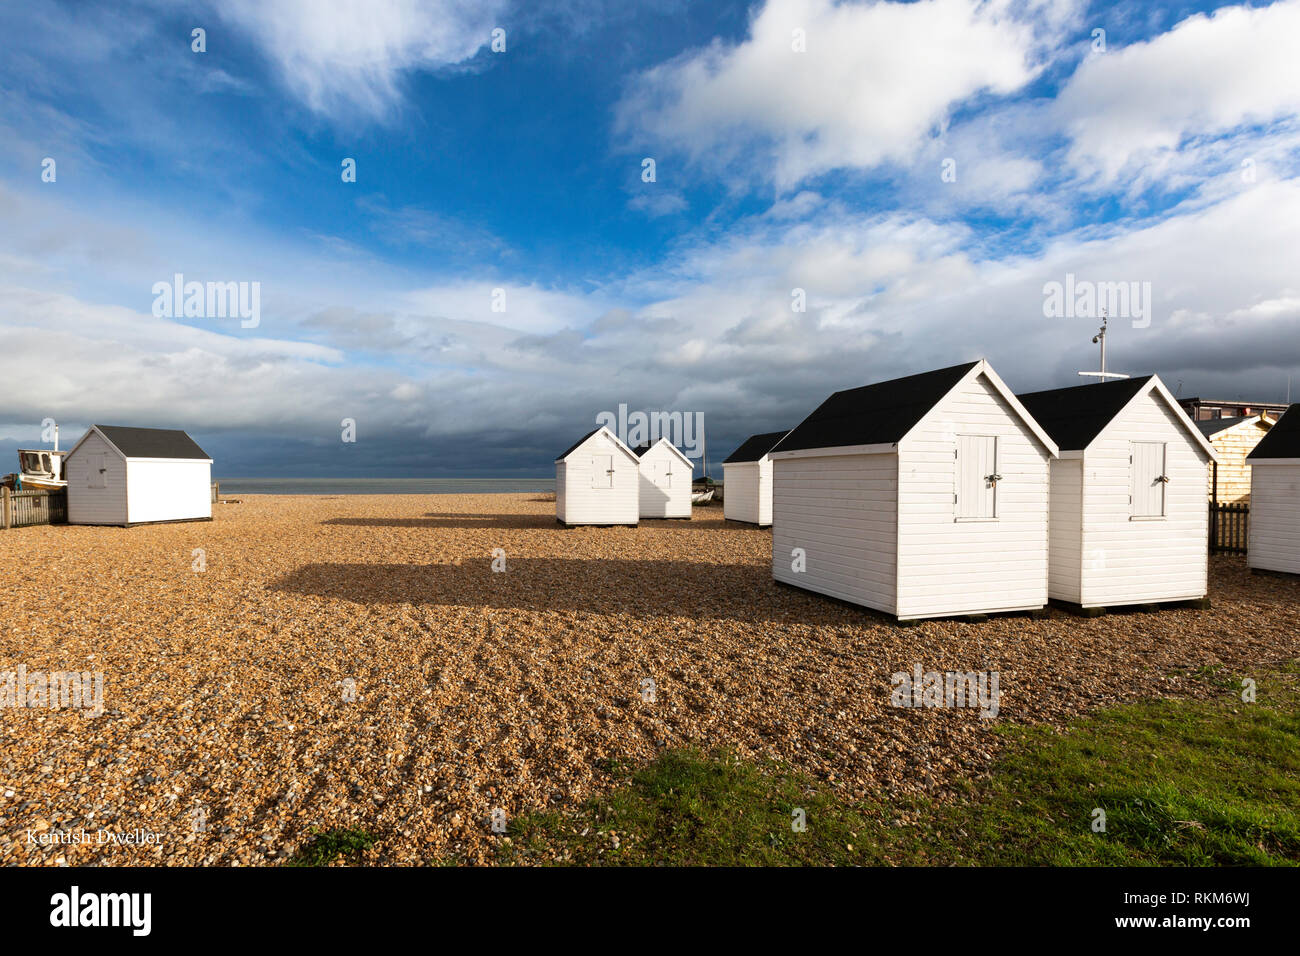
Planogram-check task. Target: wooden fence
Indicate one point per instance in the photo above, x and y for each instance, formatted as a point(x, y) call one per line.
point(24, 508)
point(1229, 524)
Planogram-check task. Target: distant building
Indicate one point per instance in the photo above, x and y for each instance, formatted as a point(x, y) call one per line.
point(596, 481)
point(665, 485)
point(1233, 439)
point(747, 479)
point(1204, 409)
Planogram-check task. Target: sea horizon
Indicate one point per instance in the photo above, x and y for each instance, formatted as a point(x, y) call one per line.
point(383, 486)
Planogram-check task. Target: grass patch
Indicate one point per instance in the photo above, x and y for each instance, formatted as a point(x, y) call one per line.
point(1215, 675)
point(1181, 782)
point(686, 808)
point(324, 848)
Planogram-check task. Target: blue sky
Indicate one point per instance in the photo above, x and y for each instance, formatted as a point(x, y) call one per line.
point(918, 171)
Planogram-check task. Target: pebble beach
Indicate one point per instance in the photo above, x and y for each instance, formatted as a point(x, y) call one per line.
point(305, 663)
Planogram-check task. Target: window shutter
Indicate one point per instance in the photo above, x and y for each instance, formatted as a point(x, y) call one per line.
point(977, 476)
point(602, 471)
point(1148, 469)
point(98, 476)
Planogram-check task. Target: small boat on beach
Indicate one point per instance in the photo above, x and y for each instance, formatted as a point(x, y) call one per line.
point(39, 469)
point(703, 488)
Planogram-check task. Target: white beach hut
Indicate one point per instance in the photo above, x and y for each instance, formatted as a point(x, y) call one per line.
point(665, 486)
point(925, 496)
point(1274, 543)
point(597, 481)
point(1129, 519)
point(747, 480)
point(127, 476)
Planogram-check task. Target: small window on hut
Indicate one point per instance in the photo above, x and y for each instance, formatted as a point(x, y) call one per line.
point(976, 496)
point(1147, 464)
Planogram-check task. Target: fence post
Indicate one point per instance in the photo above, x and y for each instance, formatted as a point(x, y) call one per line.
point(8, 509)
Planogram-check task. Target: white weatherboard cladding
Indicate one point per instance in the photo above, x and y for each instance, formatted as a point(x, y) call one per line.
point(1065, 558)
point(168, 490)
point(948, 564)
point(665, 486)
point(560, 497)
point(747, 491)
point(1131, 554)
point(764, 491)
point(96, 497)
point(599, 481)
point(740, 491)
point(841, 510)
point(1275, 517)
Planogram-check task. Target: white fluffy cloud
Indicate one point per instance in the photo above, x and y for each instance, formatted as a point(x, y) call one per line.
point(881, 81)
point(1206, 76)
point(82, 361)
point(351, 54)
point(875, 82)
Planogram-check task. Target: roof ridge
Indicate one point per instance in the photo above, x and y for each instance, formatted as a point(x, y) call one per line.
point(876, 413)
point(1283, 439)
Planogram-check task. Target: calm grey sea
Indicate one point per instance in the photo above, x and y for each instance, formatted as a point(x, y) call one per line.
point(383, 486)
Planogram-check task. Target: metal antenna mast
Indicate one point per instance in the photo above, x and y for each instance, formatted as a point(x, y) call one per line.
point(1100, 337)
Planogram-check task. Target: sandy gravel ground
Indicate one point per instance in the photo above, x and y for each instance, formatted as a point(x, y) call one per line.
point(354, 661)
